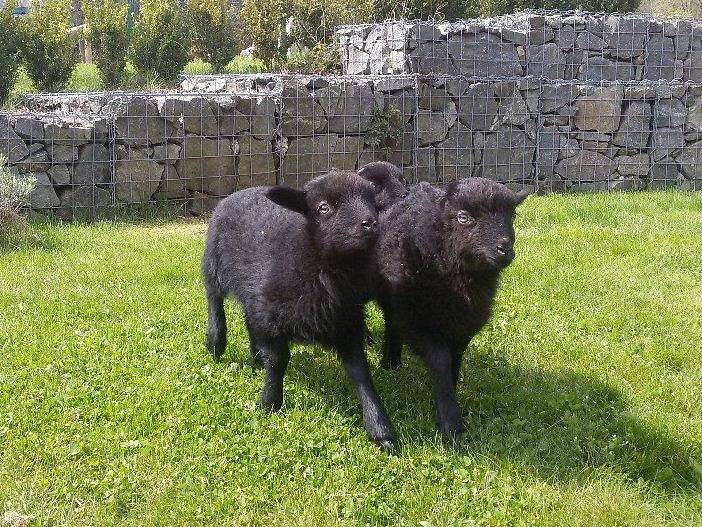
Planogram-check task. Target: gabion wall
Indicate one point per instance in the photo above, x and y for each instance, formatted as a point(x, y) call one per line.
point(587, 47)
point(197, 146)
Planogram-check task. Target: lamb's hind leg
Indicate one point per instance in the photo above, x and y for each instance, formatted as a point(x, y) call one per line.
point(392, 345)
point(254, 347)
point(216, 324)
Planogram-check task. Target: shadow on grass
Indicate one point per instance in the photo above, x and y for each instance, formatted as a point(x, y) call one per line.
point(556, 424)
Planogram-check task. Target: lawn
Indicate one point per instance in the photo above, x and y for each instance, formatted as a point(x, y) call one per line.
point(581, 397)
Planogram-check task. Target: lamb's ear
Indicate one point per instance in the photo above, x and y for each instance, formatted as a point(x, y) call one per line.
point(380, 173)
point(291, 199)
point(451, 189)
point(520, 196)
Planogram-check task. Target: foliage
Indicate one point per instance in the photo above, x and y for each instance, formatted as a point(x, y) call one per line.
point(419, 9)
point(214, 29)
point(262, 25)
point(9, 50)
point(108, 36)
point(161, 40)
point(48, 50)
point(320, 59)
point(242, 64)
point(14, 194)
point(581, 395)
point(385, 131)
point(85, 78)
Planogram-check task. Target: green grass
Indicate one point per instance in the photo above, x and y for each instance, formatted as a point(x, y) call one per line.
point(581, 396)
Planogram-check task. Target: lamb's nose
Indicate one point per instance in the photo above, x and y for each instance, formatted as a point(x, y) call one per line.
point(369, 224)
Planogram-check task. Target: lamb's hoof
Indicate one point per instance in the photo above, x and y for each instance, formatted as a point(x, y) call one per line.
point(386, 445)
point(216, 352)
point(270, 405)
point(390, 364)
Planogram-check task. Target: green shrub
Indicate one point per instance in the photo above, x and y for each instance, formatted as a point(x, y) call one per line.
point(385, 131)
point(243, 64)
point(420, 9)
point(499, 7)
point(214, 28)
point(322, 58)
point(9, 51)
point(160, 40)
point(107, 33)
point(48, 50)
point(263, 22)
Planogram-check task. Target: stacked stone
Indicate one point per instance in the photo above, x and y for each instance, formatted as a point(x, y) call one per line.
point(585, 46)
point(69, 157)
point(191, 148)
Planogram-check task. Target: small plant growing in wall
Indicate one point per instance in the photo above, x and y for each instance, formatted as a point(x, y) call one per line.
point(385, 131)
point(14, 194)
point(106, 30)
point(49, 51)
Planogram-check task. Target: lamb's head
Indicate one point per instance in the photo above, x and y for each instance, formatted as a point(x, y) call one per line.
point(340, 210)
point(389, 182)
point(478, 224)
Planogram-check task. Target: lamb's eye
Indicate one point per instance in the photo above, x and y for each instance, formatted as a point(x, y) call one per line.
point(463, 217)
point(323, 208)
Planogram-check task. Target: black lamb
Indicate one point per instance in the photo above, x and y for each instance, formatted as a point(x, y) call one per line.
point(390, 181)
point(300, 263)
point(439, 257)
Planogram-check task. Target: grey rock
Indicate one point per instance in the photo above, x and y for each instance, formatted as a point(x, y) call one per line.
point(256, 163)
point(670, 113)
point(597, 69)
point(167, 153)
point(62, 153)
point(394, 84)
point(692, 67)
point(93, 167)
point(192, 113)
point(431, 127)
point(65, 133)
point(11, 145)
point(508, 155)
point(548, 141)
point(208, 165)
point(483, 55)
point(232, 122)
point(665, 174)
point(600, 110)
point(636, 165)
point(346, 152)
point(260, 112)
point(514, 110)
point(586, 166)
point(642, 92)
point(426, 165)
point(635, 128)
point(540, 36)
point(556, 96)
point(301, 115)
point(138, 121)
point(623, 183)
point(348, 110)
point(625, 36)
point(477, 108)
point(433, 57)
point(31, 128)
point(565, 38)
point(690, 160)
point(356, 62)
point(136, 176)
point(43, 196)
point(60, 175)
point(589, 41)
point(306, 158)
point(546, 61)
point(454, 155)
point(659, 58)
point(666, 141)
point(172, 186)
point(36, 161)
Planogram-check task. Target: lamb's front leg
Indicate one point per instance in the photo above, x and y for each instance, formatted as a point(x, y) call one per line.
point(392, 344)
point(375, 418)
point(440, 363)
